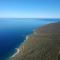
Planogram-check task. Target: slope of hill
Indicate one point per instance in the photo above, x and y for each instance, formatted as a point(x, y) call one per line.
point(42, 44)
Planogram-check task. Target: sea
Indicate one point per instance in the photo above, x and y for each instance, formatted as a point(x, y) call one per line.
point(13, 32)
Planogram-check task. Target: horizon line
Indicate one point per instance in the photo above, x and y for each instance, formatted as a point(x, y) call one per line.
point(29, 18)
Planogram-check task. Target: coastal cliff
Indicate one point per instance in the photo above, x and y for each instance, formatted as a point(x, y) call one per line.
point(42, 44)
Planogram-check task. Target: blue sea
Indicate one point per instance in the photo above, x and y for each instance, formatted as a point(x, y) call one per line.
point(13, 32)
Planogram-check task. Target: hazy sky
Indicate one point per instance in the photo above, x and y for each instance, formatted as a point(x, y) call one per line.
point(29, 8)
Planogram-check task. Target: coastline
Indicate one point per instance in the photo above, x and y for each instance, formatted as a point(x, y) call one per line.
point(17, 51)
point(44, 42)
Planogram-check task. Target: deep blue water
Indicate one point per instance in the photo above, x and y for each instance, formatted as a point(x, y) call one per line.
point(14, 31)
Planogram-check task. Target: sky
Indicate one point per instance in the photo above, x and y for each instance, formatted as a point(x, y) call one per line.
point(29, 8)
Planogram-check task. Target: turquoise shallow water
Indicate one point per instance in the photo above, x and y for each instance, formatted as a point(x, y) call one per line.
point(13, 32)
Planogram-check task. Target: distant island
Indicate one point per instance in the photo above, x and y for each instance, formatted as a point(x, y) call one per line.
point(42, 44)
